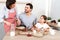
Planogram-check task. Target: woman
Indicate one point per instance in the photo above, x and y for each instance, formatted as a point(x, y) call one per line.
point(10, 15)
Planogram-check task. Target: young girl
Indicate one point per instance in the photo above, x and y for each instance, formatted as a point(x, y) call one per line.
point(41, 25)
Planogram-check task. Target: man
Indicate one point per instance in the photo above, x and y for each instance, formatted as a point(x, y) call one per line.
point(27, 18)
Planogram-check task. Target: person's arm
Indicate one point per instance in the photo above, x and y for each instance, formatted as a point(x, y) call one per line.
point(35, 21)
point(18, 19)
point(33, 25)
point(8, 23)
point(47, 28)
point(1, 15)
point(18, 22)
point(38, 27)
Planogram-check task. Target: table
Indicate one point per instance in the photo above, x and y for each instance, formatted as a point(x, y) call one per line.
point(24, 37)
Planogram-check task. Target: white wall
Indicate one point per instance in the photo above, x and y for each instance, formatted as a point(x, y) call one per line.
point(38, 10)
point(39, 7)
point(20, 7)
point(20, 4)
point(55, 9)
point(1, 5)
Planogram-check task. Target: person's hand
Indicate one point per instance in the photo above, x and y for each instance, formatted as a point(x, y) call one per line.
point(18, 22)
point(8, 23)
point(46, 30)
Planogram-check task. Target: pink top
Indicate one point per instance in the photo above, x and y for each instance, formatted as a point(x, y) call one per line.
point(12, 19)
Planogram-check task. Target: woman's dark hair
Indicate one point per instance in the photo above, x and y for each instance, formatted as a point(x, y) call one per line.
point(31, 6)
point(45, 18)
point(9, 3)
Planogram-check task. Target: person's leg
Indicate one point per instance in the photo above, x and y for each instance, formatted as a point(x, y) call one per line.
point(2, 32)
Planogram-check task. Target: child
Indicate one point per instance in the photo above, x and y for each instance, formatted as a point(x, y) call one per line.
point(41, 25)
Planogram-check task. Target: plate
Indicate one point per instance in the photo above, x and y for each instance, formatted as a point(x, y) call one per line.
point(38, 34)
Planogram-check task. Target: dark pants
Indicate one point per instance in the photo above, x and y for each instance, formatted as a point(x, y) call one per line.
point(2, 32)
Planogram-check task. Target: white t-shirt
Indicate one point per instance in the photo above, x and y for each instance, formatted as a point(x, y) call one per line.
point(44, 26)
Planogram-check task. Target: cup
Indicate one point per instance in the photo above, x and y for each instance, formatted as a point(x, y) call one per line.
point(34, 31)
point(12, 30)
point(52, 32)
